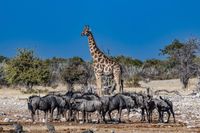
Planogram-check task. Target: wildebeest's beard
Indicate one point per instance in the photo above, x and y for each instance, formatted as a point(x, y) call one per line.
point(136, 101)
point(30, 107)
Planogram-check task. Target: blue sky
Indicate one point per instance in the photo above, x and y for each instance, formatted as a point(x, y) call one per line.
point(136, 28)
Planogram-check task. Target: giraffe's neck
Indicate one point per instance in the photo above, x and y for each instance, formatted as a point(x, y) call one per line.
point(94, 50)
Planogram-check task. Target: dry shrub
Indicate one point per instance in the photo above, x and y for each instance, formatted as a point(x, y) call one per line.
point(133, 82)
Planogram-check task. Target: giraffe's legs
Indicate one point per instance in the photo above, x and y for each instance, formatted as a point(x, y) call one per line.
point(117, 78)
point(99, 84)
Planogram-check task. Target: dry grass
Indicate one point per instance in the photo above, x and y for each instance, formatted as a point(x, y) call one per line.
point(170, 85)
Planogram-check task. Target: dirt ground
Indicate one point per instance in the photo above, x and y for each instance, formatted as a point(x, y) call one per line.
point(106, 128)
point(13, 108)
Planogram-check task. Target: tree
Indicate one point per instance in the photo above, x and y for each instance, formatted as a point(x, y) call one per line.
point(154, 69)
point(171, 48)
point(152, 63)
point(26, 69)
point(182, 56)
point(185, 57)
point(3, 59)
point(75, 72)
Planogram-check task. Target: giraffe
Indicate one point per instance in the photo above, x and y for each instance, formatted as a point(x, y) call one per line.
point(102, 64)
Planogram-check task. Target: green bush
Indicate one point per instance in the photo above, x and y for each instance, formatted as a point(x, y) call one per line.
point(26, 69)
point(75, 72)
point(128, 61)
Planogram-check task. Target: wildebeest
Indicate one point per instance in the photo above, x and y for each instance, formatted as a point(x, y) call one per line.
point(169, 109)
point(86, 106)
point(162, 105)
point(140, 102)
point(88, 103)
point(130, 104)
point(73, 94)
point(105, 105)
point(68, 96)
point(90, 96)
point(62, 105)
point(78, 95)
point(117, 102)
point(46, 103)
point(88, 131)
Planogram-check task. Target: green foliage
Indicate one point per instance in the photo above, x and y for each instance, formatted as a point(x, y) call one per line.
point(56, 60)
point(152, 62)
point(76, 61)
point(128, 61)
point(76, 71)
point(171, 48)
point(171, 63)
point(26, 69)
point(3, 58)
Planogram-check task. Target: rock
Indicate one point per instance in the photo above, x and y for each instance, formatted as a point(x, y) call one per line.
point(43, 120)
point(29, 120)
point(7, 120)
point(190, 126)
point(24, 119)
point(81, 122)
point(93, 121)
point(124, 115)
point(131, 115)
point(2, 114)
point(63, 120)
point(17, 116)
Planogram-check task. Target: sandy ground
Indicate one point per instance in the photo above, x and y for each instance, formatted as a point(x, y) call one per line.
point(13, 108)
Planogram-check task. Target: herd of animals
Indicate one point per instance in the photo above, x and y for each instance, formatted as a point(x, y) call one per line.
point(72, 103)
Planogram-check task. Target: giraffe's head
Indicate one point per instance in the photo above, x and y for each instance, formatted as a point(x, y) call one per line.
point(86, 31)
